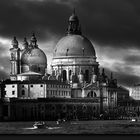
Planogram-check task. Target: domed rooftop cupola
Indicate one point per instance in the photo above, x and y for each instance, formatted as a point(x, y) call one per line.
point(14, 42)
point(73, 52)
point(33, 41)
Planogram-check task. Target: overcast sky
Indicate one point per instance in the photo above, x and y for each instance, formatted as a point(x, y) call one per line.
point(113, 26)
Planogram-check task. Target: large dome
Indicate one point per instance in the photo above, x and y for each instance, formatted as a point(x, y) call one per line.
point(34, 56)
point(74, 45)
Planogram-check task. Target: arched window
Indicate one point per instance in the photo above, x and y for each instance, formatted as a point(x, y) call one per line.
point(23, 92)
point(91, 94)
point(87, 75)
point(64, 75)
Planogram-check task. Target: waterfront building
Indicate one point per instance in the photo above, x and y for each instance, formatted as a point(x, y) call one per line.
point(75, 89)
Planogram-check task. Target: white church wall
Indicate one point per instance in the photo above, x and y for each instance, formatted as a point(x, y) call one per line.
point(11, 90)
point(37, 90)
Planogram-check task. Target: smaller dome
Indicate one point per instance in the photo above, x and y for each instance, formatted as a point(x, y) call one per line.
point(34, 56)
point(33, 59)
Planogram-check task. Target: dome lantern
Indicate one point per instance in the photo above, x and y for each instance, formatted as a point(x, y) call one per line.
point(73, 24)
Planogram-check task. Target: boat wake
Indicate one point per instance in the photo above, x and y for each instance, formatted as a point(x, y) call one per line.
point(50, 128)
point(54, 127)
point(74, 123)
point(30, 128)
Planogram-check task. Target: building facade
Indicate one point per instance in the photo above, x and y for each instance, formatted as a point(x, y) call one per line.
point(36, 89)
point(51, 109)
point(75, 89)
point(74, 57)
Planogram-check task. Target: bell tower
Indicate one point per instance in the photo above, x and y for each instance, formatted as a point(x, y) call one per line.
point(14, 59)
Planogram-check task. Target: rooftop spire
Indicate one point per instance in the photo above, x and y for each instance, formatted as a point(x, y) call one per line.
point(73, 24)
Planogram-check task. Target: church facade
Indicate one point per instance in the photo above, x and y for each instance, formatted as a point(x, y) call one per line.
point(75, 89)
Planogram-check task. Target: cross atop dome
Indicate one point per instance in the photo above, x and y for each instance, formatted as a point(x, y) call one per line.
point(73, 24)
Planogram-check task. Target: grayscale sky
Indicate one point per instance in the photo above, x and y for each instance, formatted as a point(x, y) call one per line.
point(113, 26)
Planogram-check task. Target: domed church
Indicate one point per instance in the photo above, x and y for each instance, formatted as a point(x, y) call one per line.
point(75, 89)
point(74, 56)
point(30, 62)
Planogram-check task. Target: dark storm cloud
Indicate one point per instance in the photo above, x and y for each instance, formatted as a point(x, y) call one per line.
point(132, 60)
point(113, 22)
point(123, 78)
point(122, 68)
point(4, 67)
point(110, 23)
point(127, 80)
point(3, 75)
point(3, 49)
point(21, 17)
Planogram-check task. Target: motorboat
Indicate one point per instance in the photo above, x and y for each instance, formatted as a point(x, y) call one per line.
point(134, 120)
point(60, 121)
point(39, 125)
